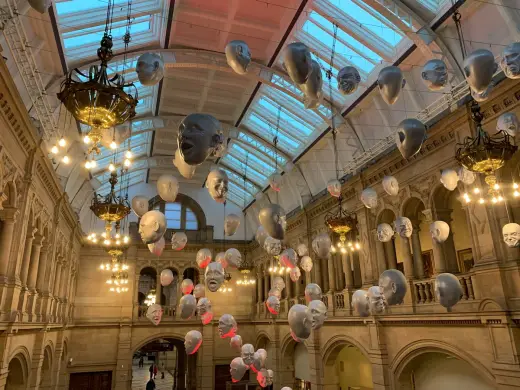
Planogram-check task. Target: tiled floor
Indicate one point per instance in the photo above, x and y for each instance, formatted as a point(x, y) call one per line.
point(140, 376)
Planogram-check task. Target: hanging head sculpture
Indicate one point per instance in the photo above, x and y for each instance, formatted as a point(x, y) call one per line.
point(390, 185)
point(318, 313)
point(214, 276)
point(272, 246)
point(236, 343)
point(237, 369)
point(167, 187)
point(448, 290)
point(187, 171)
point(321, 245)
point(449, 179)
point(247, 354)
point(231, 224)
point(376, 300)
point(440, 231)
point(393, 286)
point(154, 313)
point(300, 321)
point(152, 226)
point(217, 185)
point(507, 122)
point(192, 341)
point(200, 135)
point(312, 292)
point(511, 235)
point(390, 82)
point(403, 227)
point(384, 232)
point(334, 188)
point(140, 205)
point(312, 87)
point(179, 241)
point(479, 68)
point(510, 62)
point(227, 326)
point(187, 306)
point(297, 62)
point(205, 310)
point(435, 74)
point(273, 305)
point(348, 80)
point(369, 198)
point(306, 263)
point(238, 56)
point(360, 303)
point(203, 257)
point(410, 137)
point(149, 69)
point(274, 221)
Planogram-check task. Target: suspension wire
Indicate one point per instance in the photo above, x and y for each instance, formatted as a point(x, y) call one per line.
point(244, 178)
point(331, 97)
point(127, 38)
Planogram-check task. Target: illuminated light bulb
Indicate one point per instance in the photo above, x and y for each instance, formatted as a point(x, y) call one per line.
point(86, 139)
point(468, 200)
point(94, 240)
point(127, 163)
point(118, 242)
point(113, 145)
point(128, 154)
point(476, 190)
point(343, 250)
point(102, 267)
point(54, 150)
point(494, 199)
point(516, 193)
point(106, 242)
point(111, 168)
point(496, 186)
point(333, 249)
point(118, 235)
point(465, 195)
point(87, 164)
point(93, 164)
point(288, 269)
point(104, 235)
point(65, 159)
point(349, 244)
point(126, 239)
point(62, 142)
point(270, 269)
point(500, 198)
point(515, 186)
point(358, 246)
point(112, 289)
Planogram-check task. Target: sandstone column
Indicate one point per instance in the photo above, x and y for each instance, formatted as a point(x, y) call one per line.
point(347, 270)
point(27, 255)
point(407, 257)
point(390, 254)
point(380, 253)
point(330, 269)
point(158, 289)
point(8, 217)
point(35, 261)
point(42, 268)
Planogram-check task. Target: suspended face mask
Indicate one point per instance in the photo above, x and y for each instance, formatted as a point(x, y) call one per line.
point(507, 123)
point(233, 258)
point(167, 187)
point(384, 232)
point(272, 246)
point(440, 231)
point(238, 56)
point(312, 89)
point(376, 301)
point(348, 80)
point(200, 135)
point(227, 326)
point(187, 286)
point(154, 313)
point(273, 219)
point(479, 68)
point(278, 283)
point(390, 82)
point(275, 182)
point(403, 226)
point(217, 185)
point(179, 241)
point(261, 377)
point(318, 313)
point(273, 305)
point(312, 292)
point(334, 188)
point(393, 285)
point(297, 62)
point(260, 236)
point(199, 291)
point(257, 363)
point(321, 245)
point(139, 205)
point(247, 354)
point(410, 137)
point(149, 69)
point(40, 5)
point(166, 277)
point(288, 258)
point(187, 306)
point(448, 290)
point(390, 185)
point(262, 354)
point(231, 224)
point(295, 274)
point(435, 74)
point(152, 226)
point(157, 248)
point(511, 234)
point(270, 377)
point(449, 179)
point(465, 176)
point(236, 343)
point(203, 257)
point(221, 259)
point(187, 171)
point(214, 276)
point(300, 321)
point(205, 310)
point(237, 369)
point(306, 263)
point(275, 292)
point(369, 198)
point(302, 250)
point(482, 97)
point(510, 62)
point(360, 303)
point(192, 341)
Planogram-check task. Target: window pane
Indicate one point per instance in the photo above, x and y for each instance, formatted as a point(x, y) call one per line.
point(173, 223)
point(190, 215)
point(191, 225)
point(173, 214)
point(173, 206)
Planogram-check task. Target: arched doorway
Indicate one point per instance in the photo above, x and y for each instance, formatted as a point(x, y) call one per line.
point(347, 367)
point(420, 242)
point(191, 273)
point(17, 375)
point(45, 378)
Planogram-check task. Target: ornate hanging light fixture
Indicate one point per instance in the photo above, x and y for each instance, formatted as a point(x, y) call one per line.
point(110, 208)
point(225, 287)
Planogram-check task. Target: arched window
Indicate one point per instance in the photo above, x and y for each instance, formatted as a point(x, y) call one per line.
point(179, 215)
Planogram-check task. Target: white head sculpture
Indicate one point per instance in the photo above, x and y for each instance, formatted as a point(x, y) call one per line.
point(203, 257)
point(295, 274)
point(154, 313)
point(508, 122)
point(221, 259)
point(217, 185)
point(321, 245)
point(231, 224)
point(262, 354)
point(318, 313)
point(233, 258)
point(403, 227)
point(440, 231)
point(235, 343)
point(278, 283)
point(214, 276)
point(238, 56)
point(167, 187)
point(257, 363)
point(227, 326)
point(157, 248)
point(187, 286)
point(297, 61)
point(390, 82)
point(334, 188)
point(360, 303)
point(270, 377)
point(510, 62)
point(300, 321)
point(312, 88)
point(149, 69)
point(199, 291)
point(449, 179)
point(261, 377)
point(482, 97)
point(273, 305)
point(302, 250)
point(369, 198)
point(511, 234)
point(152, 226)
point(435, 74)
point(192, 341)
point(273, 219)
point(187, 171)
point(40, 5)
point(140, 205)
point(200, 135)
point(384, 232)
point(306, 263)
point(393, 286)
point(376, 301)
point(179, 241)
point(166, 277)
point(448, 290)
point(348, 79)
point(272, 246)
point(410, 137)
point(289, 258)
point(390, 185)
point(312, 292)
point(260, 236)
point(205, 310)
point(479, 67)
point(275, 182)
point(275, 292)
point(237, 369)
point(466, 176)
point(187, 306)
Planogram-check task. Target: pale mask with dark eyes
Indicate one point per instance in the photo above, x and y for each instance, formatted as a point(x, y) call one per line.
point(200, 135)
point(435, 74)
point(217, 185)
point(149, 69)
point(479, 67)
point(238, 56)
point(511, 235)
point(348, 80)
point(390, 82)
point(510, 62)
point(214, 276)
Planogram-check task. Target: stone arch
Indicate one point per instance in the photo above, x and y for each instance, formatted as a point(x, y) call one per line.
point(261, 338)
point(18, 375)
point(191, 273)
point(412, 206)
point(187, 201)
point(9, 189)
point(46, 371)
point(489, 305)
point(166, 335)
point(287, 363)
point(386, 215)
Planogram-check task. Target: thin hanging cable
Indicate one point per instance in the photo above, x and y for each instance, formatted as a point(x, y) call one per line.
point(127, 38)
point(331, 97)
point(275, 142)
point(244, 178)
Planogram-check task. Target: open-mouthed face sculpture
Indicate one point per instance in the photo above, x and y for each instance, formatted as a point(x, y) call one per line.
point(289, 258)
point(390, 185)
point(274, 292)
point(139, 205)
point(390, 82)
point(403, 227)
point(187, 171)
point(376, 300)
point(217, 185)
point(272, 246)
point(334, 188)
point(187, 306)
point(157, 248)
point(278, 283)
point(154, 313)
point(435, 74)
point(297, 62)
point(440, 231)
point(199, 291)
point(261, 377)
point(410, 137)
point(227, 326)
point(247, 354)
point(273, 305)
point(466, 176)
point(348, 80)
point(479, 67)
point(205, 310)
point(192, 341)
point(306, 263)
point(507, 122)
point(273, 219)
point(179, 241)
point(448, 290)
point(295, 274)
point(318, 313)
point(511, 235)
point(149, 69)
point(360, 303)
point(203, 257)
point(312, 89)
point(260, 236)
point(167, 187)
point(510, 62)
point(449, 179)
point(237, 369)
point(275, 182)
point(300, 321)
point(393, 286)
point(152, 226)
point(40, 5)
point(384, 232)
point(302, 250)
point(233, 258)
point(214, 276)
point(187, 286)
point(312, 292)
point(200, 135)
point(270, 377)
point(231, 224)
point(238, 56)
point(321, 245)
point(166, 277)
point(369, 198)
point(236, 343)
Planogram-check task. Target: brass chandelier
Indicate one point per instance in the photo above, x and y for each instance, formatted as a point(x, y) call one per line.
point(110, 208)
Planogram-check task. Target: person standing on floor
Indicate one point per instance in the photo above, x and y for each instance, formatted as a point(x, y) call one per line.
point(155, 369)
point(150, 385)
point(151, 371)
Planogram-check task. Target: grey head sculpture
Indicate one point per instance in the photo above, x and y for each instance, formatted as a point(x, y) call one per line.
point(449, 179)
point(321, 245)
point(233, 258)
point(312, 292)
point(221, 259)
point(275, 182)
point(286, 388)
point(236, 343)
point(448, 290)
point(273, 219)
point(192, 341)
point(312, 88)
point(217, 185)
point(157, 248)
point(238, 56)
point(510, 62)
point(261, 377)
point(334, 188)
point(152, 226)
point(410, 137)
point(479, 68)
point(390, 82)
point(247, 353)
point(348, 80)
point(297, 62)
point(306, 263)
point(237, 369)
point(260, 236)
point(269, 377)
point(511, 235)
point(483, 96)
point(227, 326)
point(187, 171)
point(507, 122)
point(295, 274)
point(40, 5)
point(360, 303)
point(278, 283)
point(440, 231)
point(179, 241)
point(369, 198)
point(318, 313)
point(149, 69)
point(187, 306)
point(302, 250)
point(231, 224)
point(384, 232)
point(154, 313)
point(200, 135)
point(262, 354)
point(289, 258)
point(205, 310)
point(393, 285)
point(273, 305)
point(167, 187)
point(199, 291)
point(272, 246)
point(376, 301)
point(166, 277)
point(140, 205)
point(390, 185)
point(403, 227)
point(187, 286)
point(257, 363)
point(203, 257)
point(214, 276)
point(435, 74)
point(466, 176)
point(300, 321)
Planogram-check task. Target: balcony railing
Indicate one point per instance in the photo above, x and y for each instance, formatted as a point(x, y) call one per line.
point(424, 290)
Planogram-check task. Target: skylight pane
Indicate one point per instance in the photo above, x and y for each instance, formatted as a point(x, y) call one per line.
point(71, 6)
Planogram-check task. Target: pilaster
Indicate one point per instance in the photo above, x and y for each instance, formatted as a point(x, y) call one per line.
point(123, 373)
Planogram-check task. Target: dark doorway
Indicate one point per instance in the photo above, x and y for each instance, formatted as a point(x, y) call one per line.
point(91, 380)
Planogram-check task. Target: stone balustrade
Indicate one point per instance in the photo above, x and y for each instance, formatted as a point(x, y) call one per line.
point(424, 290)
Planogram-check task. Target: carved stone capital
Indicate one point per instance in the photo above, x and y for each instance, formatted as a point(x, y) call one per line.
point(428, 215)
point(9, 214)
